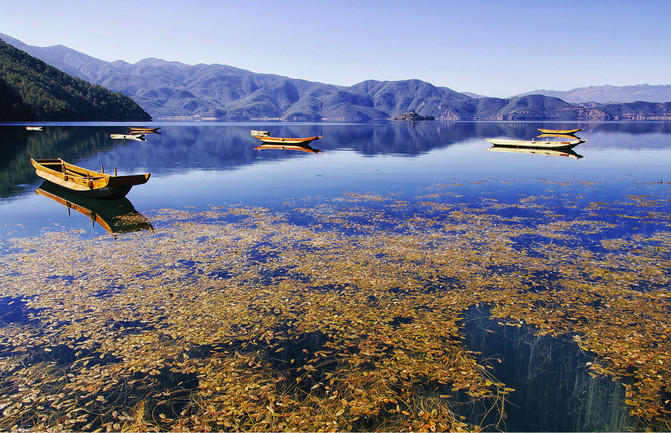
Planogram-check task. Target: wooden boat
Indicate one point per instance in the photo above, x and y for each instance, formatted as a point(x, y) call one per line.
point(560, 131)
point(566, 153)
point(115, 216)
point(267, 139)
point(282, 140)
point(137, 137)
point(86, 182)
point(299, 147)
point(34, 128)
point(255, 132)
point(140, 130)
point(560, 141)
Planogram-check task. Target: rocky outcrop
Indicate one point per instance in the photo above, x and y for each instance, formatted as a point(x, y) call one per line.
point(412, 117)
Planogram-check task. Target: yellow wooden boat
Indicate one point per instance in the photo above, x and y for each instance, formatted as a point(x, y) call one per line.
point(265, 138)
point(86, 182)
point(560, 131)
point(142, 130)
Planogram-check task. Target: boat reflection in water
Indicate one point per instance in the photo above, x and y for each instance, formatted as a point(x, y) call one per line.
point(567, 153)
point(115, 216)
point(299, 147)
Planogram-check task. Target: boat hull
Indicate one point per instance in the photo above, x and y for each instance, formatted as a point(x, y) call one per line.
point(86, 182)
point(134, 130)
point(136, 137)
point(560, 131)
point(287, 141)
point(532, 144)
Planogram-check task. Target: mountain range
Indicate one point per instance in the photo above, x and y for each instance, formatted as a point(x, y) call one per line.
point(173, 90)
point(606, 94)
point(30, 89)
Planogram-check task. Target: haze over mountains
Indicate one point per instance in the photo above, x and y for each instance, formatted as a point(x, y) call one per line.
point(175, 90)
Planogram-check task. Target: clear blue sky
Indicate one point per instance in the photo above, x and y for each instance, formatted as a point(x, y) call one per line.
point(491, 47)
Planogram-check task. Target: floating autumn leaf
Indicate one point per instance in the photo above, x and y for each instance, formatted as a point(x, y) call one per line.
point(241, 318)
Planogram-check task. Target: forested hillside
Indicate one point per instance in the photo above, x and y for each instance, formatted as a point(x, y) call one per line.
point(32, 90)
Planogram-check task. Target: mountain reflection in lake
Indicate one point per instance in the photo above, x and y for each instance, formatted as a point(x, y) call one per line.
point(338, 290)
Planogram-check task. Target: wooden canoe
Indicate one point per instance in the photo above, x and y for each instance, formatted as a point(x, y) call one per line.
point(140, 130)
point(115, 216)
point(560, 131)
point(137, 137)
point(265, 139)
point(264, 133)
point(538, 144)
point(86, 182)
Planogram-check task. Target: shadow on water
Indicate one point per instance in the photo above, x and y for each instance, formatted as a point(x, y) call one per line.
point(553, 388)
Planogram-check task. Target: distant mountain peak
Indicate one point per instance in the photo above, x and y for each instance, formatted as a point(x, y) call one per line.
point(608, 93)
point(171, 89)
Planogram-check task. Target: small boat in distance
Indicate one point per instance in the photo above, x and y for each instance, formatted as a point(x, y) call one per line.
point(34, 128)
point(560, 141)
point(141, 130)
point(560, 131)
point(264, 133)
point(86, 182)
point(136, 137)
point(267, 139)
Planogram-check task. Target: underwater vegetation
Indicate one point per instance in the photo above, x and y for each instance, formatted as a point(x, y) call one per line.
point(331, 314)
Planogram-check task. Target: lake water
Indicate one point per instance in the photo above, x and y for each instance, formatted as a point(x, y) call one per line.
point(405, 277)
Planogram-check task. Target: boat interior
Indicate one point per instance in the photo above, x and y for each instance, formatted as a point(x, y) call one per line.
point(60, 166)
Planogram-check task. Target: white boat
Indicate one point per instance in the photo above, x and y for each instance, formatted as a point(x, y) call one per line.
point(559, 141)
point(34, 128)
point(261, 133)
point(138, 137)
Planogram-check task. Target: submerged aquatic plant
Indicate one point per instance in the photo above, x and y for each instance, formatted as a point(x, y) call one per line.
point(341, 316)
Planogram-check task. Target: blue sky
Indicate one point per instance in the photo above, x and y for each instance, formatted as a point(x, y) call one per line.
point(495, 48)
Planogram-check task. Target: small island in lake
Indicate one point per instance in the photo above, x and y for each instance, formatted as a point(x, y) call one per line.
point(412, 117)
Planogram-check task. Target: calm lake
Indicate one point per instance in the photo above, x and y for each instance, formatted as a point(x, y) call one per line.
point(404, 277)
